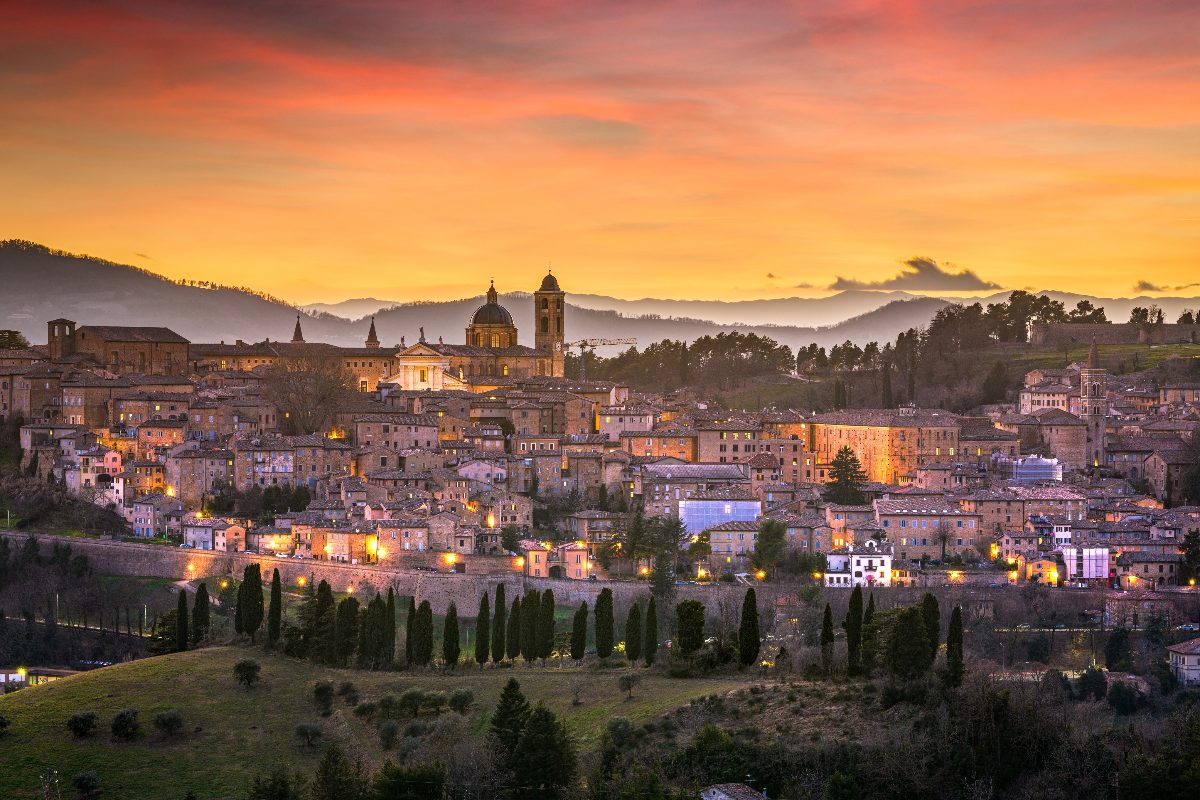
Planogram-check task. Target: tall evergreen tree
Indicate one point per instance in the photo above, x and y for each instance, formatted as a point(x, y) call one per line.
point(509, 718)
point(907, 647)
point(885, 392)
point(372, 635)
point(450, 645)
point(846, 479)
point(689, 624)
point(200, 612)
point(275, 620)
point(604, 623)
point(933, 624)
point(410, 632)
point(954, 649)
point(633, 634)
point(318, 632)
point(827, 639)
point(544, 762)
point(483, 630)
point(854, 628)
point(749, 641)
point(531, 606)
point(650, 640)
point(513, 633)
point(345, 632)
point(498, 626)
point(252, 615)
point(239, 608)
point(545, 626)
point(869, 614)
point(579, 633)
point(389, 628)
point(423, 648)
point(181, 622)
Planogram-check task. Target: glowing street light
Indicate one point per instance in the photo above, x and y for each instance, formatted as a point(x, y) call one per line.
point(761, 574)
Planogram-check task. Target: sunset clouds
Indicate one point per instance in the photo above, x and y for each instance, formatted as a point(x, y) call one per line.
point(322, 150)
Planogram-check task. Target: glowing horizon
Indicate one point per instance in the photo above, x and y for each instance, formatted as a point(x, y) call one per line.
point(707, 150)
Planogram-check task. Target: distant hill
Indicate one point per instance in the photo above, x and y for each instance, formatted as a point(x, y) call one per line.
point(41, 284)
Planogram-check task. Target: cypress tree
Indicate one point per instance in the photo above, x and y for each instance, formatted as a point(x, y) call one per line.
point(200, 611)
point(389, 629)
point(345, 632)
point(954, 649)
point(579, 633)
point(650, 640)
point(689, 622)
point(498, 626)
point(749, 641)
point(907, 646)
point(275, 620)
point(869, 614)
point(827, 639)
point(423, 651)
point(372, 635)
point(530, 611)
point(239, 607)
point(545, 626)
point(933, 624)
point(604, 623)
point(854, 626)
point(509, 718)
point(319, 636)
point(252, 616)
point(483, 631)
point(181, 622)
point(513, 644)
point(633, 634)
point(410, 632)
point(450, 647)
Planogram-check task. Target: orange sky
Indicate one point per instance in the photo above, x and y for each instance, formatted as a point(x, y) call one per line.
point(681, 149)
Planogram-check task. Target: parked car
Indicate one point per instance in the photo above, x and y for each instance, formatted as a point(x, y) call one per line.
point(185, 546)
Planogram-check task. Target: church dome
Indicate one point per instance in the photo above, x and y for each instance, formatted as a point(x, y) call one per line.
point(492, 314)
point(549, 284)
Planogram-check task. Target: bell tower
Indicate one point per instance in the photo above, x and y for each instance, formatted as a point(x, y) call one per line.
point(549, 312)
point(1093, 388)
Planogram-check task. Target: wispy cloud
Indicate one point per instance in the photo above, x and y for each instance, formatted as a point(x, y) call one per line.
point(922, 274)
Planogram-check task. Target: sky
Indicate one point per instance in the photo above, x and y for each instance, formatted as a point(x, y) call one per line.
point(708, 150)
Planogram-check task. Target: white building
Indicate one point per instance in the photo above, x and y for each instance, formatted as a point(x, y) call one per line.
point(1083, 563)
point(869, 565)
point(1185, 661)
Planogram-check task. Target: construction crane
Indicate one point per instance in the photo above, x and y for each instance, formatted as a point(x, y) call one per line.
point(585, 345)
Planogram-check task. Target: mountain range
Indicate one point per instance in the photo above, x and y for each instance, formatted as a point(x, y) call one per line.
point(39, 284)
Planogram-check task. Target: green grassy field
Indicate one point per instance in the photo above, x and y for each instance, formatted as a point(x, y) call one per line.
point(231, 733)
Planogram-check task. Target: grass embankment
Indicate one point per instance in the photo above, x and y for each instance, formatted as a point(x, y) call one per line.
point(231, 733)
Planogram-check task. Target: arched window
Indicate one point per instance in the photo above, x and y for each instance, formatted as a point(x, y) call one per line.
point(545, 304)
point(545, 324)
point(495, 340)
point(504, 370)
point(460, 373)
point(560, 324)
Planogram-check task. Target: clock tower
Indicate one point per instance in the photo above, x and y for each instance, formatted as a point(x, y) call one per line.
point(549, 310)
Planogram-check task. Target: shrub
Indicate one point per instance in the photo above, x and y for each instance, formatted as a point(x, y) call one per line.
point(412, 700)
point(348, 692)
point(168, 723)
point(389, 706)
point(461, 700)
point(125, 724)
point(87, 785)
point(388, 732)
point(247, 672)
point(365, 710)
point(4, 723)
point(416, 729)
point(82, 724)
point(627, 682)
point(323, 696)
point(1124, 698)
point(1092, 685)
point(434, 701)
point(308, 733)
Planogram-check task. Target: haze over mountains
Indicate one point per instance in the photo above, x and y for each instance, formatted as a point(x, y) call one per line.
point(38, 284)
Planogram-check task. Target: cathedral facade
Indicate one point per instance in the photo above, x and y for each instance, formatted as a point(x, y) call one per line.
point(490, 351)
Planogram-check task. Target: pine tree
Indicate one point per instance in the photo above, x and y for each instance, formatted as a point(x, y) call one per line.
point(954, 649)
point(483, 630)
point(544, 761)
point(275, 620)
point(633, 634)
point(749, 641)
point(252, 615)
point(579, 633)
point(181, 622)
point(854, 627)
point(886, 400)
point(846, 479)
point(513, 633)
point(509, 718)
point(650, 640)
point(410, 632)
point(933, 624)
point(827, 640)
point(498, 626)
point(338, 778)
point(530, 611)
point(604, 623)
point(389, 628)
point(450, 647)
point(200, 612)
point(423, 649)
point(545, 626)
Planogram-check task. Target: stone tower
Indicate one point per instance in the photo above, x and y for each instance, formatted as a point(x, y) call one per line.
point(372, 338)
point(297, 334)
point(1093, 387)
point(549, 312)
